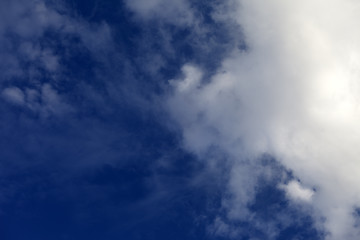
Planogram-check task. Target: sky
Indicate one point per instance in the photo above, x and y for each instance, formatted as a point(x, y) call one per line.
point(182, 119)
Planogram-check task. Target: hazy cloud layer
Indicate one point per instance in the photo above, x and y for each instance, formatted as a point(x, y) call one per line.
point(178, 12)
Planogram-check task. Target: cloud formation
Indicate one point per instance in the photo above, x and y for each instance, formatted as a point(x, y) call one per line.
point(294, 93)
point(38, 39)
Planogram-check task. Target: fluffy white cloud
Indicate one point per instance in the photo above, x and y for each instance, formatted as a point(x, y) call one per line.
point(297, 192)
point(294, 94)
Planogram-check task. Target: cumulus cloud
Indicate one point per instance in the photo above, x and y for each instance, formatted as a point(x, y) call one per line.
point(294, 94)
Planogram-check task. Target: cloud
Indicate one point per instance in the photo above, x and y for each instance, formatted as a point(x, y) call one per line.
point(294, 94)
point(13, 95)
point(191, 81)
point(51, 102)
point(27, 28)
point(37, 42)
point(177, 12)
point(297, 192)
point(44, 101)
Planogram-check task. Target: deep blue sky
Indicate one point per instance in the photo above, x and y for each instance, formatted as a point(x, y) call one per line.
point(94, 155)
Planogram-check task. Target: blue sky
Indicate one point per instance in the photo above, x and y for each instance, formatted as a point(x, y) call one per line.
point(183, 119)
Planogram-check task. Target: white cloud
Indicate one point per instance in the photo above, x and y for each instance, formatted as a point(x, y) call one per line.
point(191, 81)
point(294, 94)
point(297, 192)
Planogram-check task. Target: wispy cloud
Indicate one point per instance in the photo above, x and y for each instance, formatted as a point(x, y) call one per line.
point(177, 12)
point(35, 39)
point(13, 95)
